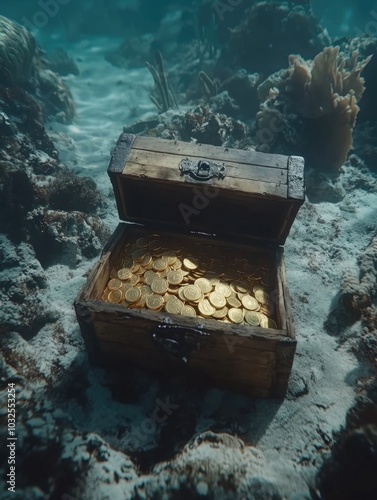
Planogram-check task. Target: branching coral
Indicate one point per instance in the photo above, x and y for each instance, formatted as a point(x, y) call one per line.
point(329, 82)
point(164, 98)
point(323, 93)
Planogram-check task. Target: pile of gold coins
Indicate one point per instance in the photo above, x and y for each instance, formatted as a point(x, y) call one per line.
point(180, 276)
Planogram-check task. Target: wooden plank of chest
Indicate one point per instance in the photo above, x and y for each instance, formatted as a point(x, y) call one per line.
point(158, 160)
point(210, 152)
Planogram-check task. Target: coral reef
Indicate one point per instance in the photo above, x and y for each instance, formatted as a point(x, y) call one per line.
point(23, 65)
point(323, 94)
point(32, 180)
point(23, 284)
point(17, 50)
point(269, 33)
point(212, 465)
point(69, 192)
point(207, 127)
point(65, 237)
point(163, 96)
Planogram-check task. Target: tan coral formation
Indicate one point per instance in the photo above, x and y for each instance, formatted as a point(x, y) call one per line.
point(17, 49)
point(329, 82)
point(325, 93)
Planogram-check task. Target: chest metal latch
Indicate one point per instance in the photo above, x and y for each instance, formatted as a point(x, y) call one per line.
point(202, 170)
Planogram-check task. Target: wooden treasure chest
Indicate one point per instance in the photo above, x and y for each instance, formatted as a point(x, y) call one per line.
point(193, 278)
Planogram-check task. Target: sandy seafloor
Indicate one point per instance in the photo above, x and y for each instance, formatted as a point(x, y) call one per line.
point(292, 437)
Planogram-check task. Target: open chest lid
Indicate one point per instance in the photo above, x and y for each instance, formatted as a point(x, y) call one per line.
point(210, 189)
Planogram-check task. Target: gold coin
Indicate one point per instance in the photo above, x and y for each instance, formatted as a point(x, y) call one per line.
point(235, 315)
point(192, 292)
point(124, 273)
point(134, 279)
point(220, 313)
point(174, 306)
point(154, 302)
point(146, 260)
point(163, 274)
point(105, 295)
point(267, 322)
point(257, 288)
point(154, 245)
point(140, 303)
point(142, 242)
point(212, 279)
point(203, 284)
point(267, 308)
point(249, 302)
point(159, 286)
point(149, 277)
point(114, 284)
point(125, 287)
point(181, 293)
point(127, 263)
point(160, 264)
point(188, 311)
point(135, 266)
point(175, 277)
point(190, 263)
point(115, 296)
point(146, 290)
point(132, 295)
point(170, 257)
point(223, 289)
point(241, 286)
point(233, 301)
point(138, 255)
point(217, 300)
point(177, 265)
point(262, 296)
point(205, 308)
point(252, 318)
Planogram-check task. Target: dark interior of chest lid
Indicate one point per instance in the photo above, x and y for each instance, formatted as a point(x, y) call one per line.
point(245, 215)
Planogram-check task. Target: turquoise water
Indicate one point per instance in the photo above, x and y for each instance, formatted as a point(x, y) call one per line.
point(78, 18)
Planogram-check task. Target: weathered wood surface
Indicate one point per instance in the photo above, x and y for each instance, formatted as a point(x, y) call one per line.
point(114, 358)
point(149, 159)
point(286, 305)
point(284, 360)
point(173, 179)
point(210, 152)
